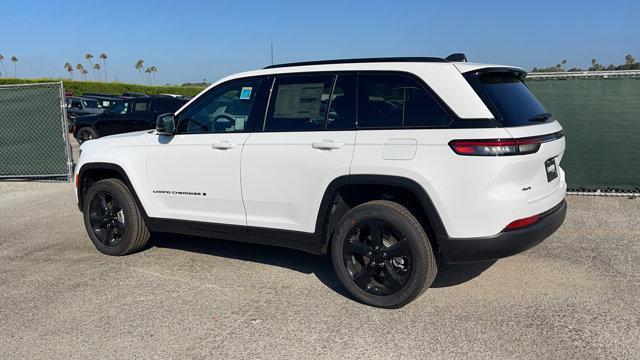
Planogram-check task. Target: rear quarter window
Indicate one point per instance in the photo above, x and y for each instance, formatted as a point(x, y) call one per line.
point(508, 98)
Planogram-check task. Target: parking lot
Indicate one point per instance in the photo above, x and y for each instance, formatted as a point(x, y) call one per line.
point(574, 296)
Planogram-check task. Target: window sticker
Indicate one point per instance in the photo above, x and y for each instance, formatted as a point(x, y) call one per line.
point(245, 93)
point(299, 101)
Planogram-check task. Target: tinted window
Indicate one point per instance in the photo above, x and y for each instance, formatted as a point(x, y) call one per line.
point(342, 109)
point(121, 107)
point(91, 103)
point(161, 106)
point(141, 107)
point(512, 99)
point(225, 108)
point(76, 104)
point(299, 103)
point(387, 100)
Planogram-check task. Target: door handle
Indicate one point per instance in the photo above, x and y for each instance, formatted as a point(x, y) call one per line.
point(223, 145)
point(326, 145)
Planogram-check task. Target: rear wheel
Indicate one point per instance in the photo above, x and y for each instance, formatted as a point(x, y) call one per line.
point(112, 219)
point(85, 133)
point(382, 255)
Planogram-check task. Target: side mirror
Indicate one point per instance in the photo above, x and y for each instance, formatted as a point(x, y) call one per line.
point(166, 124)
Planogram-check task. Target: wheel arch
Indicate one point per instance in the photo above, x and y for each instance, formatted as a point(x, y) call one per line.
point(332, 209)
point(89, 173)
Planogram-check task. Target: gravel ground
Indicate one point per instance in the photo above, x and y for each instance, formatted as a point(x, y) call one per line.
point(576, 295)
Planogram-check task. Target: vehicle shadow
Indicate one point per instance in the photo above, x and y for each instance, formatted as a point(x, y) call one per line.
point(320, 266)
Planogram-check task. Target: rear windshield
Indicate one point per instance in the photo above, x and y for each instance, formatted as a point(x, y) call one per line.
point(510, 99)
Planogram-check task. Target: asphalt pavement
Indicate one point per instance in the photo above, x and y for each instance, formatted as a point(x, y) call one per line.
point(575, 296)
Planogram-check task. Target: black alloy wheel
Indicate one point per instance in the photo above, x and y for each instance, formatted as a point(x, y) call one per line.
point(106, 218)
point(377, 257)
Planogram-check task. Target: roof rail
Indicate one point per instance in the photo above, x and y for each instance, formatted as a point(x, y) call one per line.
point(360, 60)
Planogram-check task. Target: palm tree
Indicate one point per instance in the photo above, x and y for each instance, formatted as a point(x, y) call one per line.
point(84, 73)
point(563, 62)
point(139, 66)
point(14, 60)
point(2, 65)
point(629, 60)
point(89, 56)
point(80, 69)
point(103, 56)
point(97, 68)
point(148, 71)
point(69, 69)
point(153, 73)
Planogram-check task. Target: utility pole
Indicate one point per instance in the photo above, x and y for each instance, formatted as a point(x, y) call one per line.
point(271, 53)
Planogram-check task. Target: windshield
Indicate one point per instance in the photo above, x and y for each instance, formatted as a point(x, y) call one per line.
point(506, 94)
point(91, 103)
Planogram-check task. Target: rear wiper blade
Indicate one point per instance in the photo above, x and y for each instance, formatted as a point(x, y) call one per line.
point(541, 117)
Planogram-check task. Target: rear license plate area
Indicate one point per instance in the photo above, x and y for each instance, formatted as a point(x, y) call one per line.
point(551, 168)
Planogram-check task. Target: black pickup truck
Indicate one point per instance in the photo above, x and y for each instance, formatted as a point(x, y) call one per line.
point(127, 115)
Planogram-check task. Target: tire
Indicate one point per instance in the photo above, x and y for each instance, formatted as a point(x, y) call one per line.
point(115, 225)
point(391, 281)
point(86, 133)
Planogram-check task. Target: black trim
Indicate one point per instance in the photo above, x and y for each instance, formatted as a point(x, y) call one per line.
point(284, 238)
point(507, 243)
point(358, 61)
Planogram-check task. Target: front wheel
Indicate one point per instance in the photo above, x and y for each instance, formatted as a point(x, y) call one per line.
point(112, 218)
point(382, 254)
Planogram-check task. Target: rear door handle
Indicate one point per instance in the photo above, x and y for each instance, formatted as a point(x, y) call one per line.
point(326, 145)
point(224, 145)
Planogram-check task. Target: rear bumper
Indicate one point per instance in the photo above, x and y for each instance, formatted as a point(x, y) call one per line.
point(505, 243)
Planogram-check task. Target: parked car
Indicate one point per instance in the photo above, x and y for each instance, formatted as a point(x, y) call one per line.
point(385, 164)
point(126, 115)
point(80, 106)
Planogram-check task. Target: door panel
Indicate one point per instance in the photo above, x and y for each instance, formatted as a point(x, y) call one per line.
point(284, 177)
point(190, 178)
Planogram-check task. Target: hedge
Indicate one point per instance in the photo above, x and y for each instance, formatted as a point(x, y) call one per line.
point(81, 87)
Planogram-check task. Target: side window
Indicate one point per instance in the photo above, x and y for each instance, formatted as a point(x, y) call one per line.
point(121, 108)
point(141, 107)
point(342, 110)
point(162, 106)
point(223, 109)
point(396, 100)
point(76, 104)
point(299, 103)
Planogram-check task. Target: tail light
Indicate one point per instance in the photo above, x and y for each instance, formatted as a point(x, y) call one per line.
point(502, 147)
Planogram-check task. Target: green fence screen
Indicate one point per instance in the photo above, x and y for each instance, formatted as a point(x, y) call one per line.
point(33, 136)
point(601, 118)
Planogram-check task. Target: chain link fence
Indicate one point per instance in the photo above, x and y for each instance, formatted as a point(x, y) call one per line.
point(33, 132)
point(600, 113)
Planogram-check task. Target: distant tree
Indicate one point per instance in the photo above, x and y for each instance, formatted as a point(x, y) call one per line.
point(84, 73)
point(104, 56)
point(153, 73)
point(611, 67)
point(574, 69)
point(2, 66)
point(595, 66)
point(139, 66)
point(629, 61)
point(69, 69)
point(14, 60)
point(563, 62)
point(89, 56)
point(81, 70)
point(96, 67)
point(148, 71)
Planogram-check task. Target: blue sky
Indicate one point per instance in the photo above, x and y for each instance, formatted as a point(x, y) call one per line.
point(192, 40)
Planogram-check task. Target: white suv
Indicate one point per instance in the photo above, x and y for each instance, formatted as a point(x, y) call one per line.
point(385, 164)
